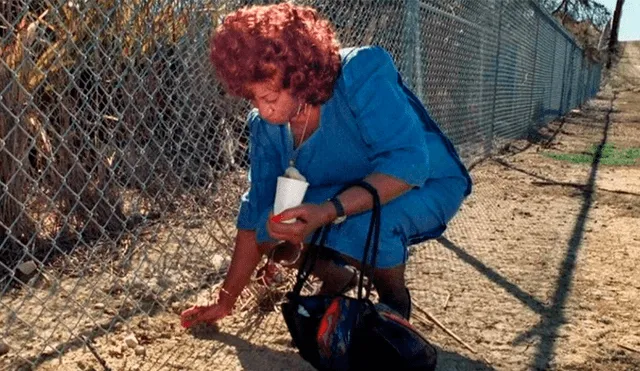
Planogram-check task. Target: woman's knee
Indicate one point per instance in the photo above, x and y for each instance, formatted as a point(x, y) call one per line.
point(388, 281)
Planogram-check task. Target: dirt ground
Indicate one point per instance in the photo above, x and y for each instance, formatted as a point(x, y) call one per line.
point(537, 272)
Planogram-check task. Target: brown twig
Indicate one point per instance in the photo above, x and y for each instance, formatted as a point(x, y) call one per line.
point(431, 318)
point(629, 348)
point(93, 350)
point(446, 301)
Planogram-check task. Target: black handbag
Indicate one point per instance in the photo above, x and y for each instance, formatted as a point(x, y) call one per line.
point(345, 333)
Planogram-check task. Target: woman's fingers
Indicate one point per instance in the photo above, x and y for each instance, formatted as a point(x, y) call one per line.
point(284, 228)
point(291, 232)
point(191, 312)
point(307, 216)
point(299, 212)
point(195, 315)
point(190, 316)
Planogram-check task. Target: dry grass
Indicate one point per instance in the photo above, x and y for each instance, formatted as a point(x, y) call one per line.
point(73, 145)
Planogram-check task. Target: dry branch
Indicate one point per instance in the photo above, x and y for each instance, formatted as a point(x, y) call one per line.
point(629, 348)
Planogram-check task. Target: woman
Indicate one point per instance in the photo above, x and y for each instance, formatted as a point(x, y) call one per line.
point(337, 116)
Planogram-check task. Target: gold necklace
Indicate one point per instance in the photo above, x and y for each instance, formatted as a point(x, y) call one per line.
point(292, 160)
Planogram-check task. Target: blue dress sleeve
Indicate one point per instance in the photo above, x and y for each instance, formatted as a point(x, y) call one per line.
point(257, 202)
point(390, 127)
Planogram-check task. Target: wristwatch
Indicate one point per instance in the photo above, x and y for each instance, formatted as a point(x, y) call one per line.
point(341, 216)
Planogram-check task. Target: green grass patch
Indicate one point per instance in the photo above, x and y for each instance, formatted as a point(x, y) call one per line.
point(611, 155)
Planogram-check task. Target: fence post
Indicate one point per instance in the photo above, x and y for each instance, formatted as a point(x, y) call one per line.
point(418, 70)
point(489, 146)
point(595, 85)
point(411, 18)
point(570, 72)
point(533, 78)
point(582, 96)
point(592, 78)
point(553, 71)
point(564, 80)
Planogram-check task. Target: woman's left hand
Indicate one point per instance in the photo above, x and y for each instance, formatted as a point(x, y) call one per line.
point(309, 217)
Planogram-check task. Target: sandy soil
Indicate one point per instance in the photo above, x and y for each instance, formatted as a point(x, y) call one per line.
point(537, 272)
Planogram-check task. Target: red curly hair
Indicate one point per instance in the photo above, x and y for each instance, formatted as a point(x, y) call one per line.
point(284, 41)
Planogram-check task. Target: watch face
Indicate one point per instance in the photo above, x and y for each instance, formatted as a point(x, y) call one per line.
point(340, 220)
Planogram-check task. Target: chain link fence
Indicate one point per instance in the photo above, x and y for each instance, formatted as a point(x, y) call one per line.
point(122, 160)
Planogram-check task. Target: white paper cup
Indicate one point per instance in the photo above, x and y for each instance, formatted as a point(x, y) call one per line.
point(289, 193)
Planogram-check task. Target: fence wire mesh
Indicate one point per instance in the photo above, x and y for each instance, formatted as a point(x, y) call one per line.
point(122, 160)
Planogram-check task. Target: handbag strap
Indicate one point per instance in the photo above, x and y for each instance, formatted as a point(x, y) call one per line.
point(310, 258)
point(372, 243)
point(319, 238)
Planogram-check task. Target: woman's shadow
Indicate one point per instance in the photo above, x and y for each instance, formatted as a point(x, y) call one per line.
point(258, 357)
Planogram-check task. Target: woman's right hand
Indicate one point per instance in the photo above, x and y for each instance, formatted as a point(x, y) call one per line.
point(204, 314)
point(244, 261)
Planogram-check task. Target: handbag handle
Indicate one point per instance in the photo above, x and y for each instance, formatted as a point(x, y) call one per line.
point(371, 246)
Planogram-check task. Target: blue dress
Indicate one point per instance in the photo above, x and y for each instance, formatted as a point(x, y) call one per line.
point(372, 123)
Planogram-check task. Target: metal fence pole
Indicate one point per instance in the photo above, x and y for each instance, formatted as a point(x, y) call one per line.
point(489, 145)
point(571, 71)
point(418, 72)
point(533, 78)
point(411, 17)
point(582, 78)
point(564, 80)
point(553, 70)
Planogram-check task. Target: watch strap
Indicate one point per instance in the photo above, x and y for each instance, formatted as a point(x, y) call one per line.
point(338, 205)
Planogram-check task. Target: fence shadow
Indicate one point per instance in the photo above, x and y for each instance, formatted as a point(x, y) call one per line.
point(555, 315)
point(526, 298)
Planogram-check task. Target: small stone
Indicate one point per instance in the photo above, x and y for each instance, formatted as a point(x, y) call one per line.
point(193, 224)
point(115, 351)
point(176, 306)
point(27, 268)
point(144, 324)
point(99, 306)
point(131, 341)
point(219, 262)
point(4, 349)
point(140, 350)
point(164, 283)
point(27, 272)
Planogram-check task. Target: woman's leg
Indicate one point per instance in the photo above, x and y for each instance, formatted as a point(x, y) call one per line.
point(391, 288)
